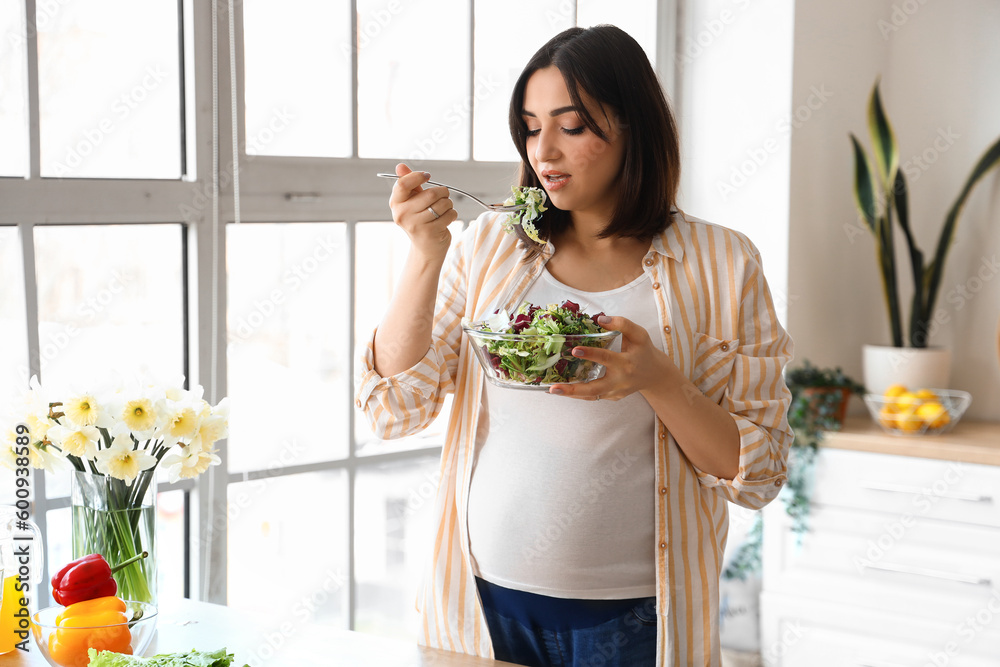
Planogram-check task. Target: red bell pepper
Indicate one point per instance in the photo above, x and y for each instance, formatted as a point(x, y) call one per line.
point(87, 578)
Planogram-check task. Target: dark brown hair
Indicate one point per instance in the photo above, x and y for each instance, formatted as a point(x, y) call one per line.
point(608, 65)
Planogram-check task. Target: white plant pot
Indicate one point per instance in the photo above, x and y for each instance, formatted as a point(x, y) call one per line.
point(914, 368)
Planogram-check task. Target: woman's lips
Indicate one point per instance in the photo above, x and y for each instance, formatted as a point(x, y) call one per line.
point(555, 180)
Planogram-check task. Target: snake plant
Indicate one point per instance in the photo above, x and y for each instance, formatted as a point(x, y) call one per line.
point(881, 196)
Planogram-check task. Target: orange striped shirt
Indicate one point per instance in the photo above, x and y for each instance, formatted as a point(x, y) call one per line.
point(717, 323)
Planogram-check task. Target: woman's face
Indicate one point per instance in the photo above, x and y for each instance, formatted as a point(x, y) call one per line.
point(576, 167)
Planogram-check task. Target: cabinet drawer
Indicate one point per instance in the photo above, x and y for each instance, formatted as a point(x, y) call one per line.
point(796, 632)
point(945, 490)
point(928, 567)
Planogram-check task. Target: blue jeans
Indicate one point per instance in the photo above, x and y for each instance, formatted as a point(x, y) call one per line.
point(542, 631)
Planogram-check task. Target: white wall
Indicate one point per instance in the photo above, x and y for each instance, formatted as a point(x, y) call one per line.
point(734, 101)
point(940, 69)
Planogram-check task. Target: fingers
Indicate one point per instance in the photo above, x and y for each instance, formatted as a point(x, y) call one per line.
point(430, 197)
point(616, 323)
point(407, 185)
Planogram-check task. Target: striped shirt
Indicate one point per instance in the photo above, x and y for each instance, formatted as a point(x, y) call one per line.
point(717, 324)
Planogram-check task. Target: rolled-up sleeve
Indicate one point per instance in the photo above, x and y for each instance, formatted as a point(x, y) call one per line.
point(757, 398)
point(409, 401)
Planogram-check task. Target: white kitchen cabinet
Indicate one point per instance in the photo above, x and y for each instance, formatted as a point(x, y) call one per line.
point(900, 566)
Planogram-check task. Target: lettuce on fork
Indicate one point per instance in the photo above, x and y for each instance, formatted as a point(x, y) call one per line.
point(535, 198)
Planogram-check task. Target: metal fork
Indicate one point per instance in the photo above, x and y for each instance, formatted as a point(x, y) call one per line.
point(498, 208)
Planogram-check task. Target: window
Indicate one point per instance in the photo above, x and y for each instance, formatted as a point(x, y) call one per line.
point(108, 199)
point(102, 115)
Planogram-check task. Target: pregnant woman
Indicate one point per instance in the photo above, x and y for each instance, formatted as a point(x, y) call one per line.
point(585, 525)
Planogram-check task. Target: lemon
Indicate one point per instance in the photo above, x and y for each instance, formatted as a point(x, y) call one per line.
point(894, 391)
point(933, 414)
point(887, 416)
point(926, 395)
point(906, 401)
point(909, 421)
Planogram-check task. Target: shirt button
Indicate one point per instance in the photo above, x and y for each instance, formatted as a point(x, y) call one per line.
point(779, 482)
point(357, 403)
point(648, 262)
point(663, 490)
point(663, 435)
point(666, 329)
point(663, 545)
point(724, 347)
point(656, 285)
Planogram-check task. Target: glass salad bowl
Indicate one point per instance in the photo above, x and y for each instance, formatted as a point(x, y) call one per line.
point(533, 360)
point(67, 646)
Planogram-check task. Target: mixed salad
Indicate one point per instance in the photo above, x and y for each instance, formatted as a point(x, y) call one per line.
point(535, 198)
point(547, 358)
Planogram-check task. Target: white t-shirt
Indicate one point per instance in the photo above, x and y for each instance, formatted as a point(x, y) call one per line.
point(562, 497)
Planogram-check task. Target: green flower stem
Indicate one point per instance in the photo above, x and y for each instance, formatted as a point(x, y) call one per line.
point(114, 523)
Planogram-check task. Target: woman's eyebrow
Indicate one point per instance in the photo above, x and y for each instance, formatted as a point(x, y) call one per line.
point(554, 112)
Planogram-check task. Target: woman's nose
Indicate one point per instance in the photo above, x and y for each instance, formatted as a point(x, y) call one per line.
point(547, 147)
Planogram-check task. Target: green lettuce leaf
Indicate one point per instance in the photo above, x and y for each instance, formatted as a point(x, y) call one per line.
point(219, 658)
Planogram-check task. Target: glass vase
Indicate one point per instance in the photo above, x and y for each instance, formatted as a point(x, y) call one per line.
point(118, 521)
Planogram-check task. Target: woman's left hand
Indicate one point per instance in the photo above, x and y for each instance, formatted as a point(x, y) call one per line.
point(639, 366)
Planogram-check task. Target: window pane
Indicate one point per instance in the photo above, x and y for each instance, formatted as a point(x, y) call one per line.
point(297, 64)
point(413, 79)
point(13, 88)
point(58, 549)
point(288, 350)
point(381, 249)
point(13, 326)
point(507, 35)
point(170, 540)
point(393, 535)
point(636, 17)
point(109, 89)
point(288, 546)
point(110, 300)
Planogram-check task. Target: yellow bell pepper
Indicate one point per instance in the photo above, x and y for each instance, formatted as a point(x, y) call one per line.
point(99, 624)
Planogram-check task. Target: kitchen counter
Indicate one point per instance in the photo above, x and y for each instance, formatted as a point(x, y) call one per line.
point(258, 641)
point(967, 442)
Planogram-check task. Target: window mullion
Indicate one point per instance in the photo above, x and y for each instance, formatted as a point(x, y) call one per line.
point(40, 514)
point(669, 28)
point(31, 60)
point(472, 80)
point(354, 79)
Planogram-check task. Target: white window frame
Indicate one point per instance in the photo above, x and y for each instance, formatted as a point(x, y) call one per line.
point(272, 189)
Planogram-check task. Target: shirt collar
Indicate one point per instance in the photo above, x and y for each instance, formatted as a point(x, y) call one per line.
point(672, 240)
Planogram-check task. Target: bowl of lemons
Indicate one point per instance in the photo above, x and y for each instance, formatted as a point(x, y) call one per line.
point(904, 411)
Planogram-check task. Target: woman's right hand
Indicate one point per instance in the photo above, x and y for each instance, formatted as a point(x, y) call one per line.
point(410, 203)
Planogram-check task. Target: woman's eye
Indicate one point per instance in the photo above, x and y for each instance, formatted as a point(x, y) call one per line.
point(574, 130)
point(532, 133)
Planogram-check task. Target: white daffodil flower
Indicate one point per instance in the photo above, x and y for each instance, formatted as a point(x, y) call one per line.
point(182, 422)
point(8, 442)
point(79, 441)
point(141, 415)
point(122, 461)
point(83, 410)
point(189, 461)
point(46, 457)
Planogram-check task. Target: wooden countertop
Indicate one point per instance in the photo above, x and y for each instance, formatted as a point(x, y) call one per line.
point(968, 441)
point(186, 624)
